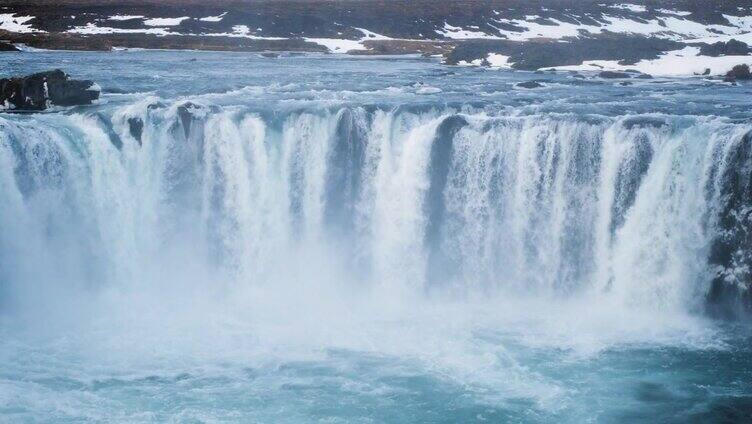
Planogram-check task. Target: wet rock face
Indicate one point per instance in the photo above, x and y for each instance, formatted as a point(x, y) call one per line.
point(730, 294)
point(38, 91)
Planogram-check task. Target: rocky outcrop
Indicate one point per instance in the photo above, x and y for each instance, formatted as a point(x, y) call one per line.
point(541, 54)
point(7, 47)
point(39, 91)
point(729, 48)
point(730, 294)
point(529, 84)
point(613, 75)
point(738, 72)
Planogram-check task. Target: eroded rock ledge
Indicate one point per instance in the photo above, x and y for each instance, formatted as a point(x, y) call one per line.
point(39, 91)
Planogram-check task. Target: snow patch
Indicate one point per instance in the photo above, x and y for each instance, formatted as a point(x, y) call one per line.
point(92, 29)
point(124, 17)
point(459, 33)
point(370, 35)
point(165, 21)
point(213, 18)
point(630, 7)
point(684, 62)
point(496, 60)
point(674, 12)
point(11, 23)
point(338, 45)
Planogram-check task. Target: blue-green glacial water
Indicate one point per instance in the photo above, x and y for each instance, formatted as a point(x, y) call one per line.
point(232, 238)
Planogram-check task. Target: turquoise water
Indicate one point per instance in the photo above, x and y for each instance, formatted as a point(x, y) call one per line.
point(329, 239)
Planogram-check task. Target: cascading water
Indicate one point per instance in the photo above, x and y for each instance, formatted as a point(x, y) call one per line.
point(346, 246)
point(545, 205)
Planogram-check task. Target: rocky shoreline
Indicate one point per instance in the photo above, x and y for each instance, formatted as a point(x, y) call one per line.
point(680, 37)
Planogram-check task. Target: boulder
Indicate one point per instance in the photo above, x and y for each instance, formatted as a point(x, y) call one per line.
point(738, 72)
point(729, 48)
point(613, 75)
point(529, 84)
point(7, 47)
point(39, 91)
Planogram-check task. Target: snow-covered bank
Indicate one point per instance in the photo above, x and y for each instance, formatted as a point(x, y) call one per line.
point(684, 62)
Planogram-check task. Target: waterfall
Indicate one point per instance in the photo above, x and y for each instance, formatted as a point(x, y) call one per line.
point(406, 201)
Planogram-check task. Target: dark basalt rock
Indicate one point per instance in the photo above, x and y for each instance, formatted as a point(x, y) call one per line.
point(136, 127)
point(529, 84)
point(7, 47)
point(644, 76)
point(738, 72)
point(730, 294)
point(186, 115)
point(613, 75)
point(38, 91)
point(729, 48)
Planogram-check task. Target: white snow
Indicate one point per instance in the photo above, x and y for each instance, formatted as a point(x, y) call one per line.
point(241, 31)
point(674, 12)
point(496, 60)
point(370, 35)
point(12, 23)
point(165, 21)
point(338, 45)
point(459, 33)
point(670, 27)
point(125, 17)
point(92, 29)
point(631, 7)
point(684, 62)
point(213, 18)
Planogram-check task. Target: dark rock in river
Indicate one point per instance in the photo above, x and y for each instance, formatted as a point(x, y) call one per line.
point(738, 72)
point(38, 91)
point(644, 76)
point(729, 48)
point(136, 127)
point(613, 75)
point(529, 84)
